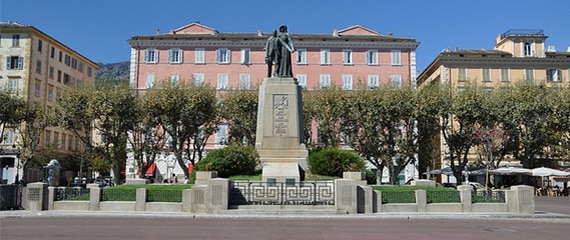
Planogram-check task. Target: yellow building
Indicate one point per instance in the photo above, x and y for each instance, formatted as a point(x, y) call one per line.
point(518, 55)
point(37, 67)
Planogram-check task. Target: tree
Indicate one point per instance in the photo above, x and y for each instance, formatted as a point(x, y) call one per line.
point(527, 119)
point(11, 109)
point(188, 114)
point(382, 128)
point(239, 110)
point(112, 107)
point(36, 119)
point(327, 108)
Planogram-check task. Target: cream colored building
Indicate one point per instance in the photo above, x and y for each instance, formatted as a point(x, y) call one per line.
point(38, 68)
point(518, 55)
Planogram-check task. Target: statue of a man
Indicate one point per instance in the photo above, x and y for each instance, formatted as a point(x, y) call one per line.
point(272, 53)
point(285, 45)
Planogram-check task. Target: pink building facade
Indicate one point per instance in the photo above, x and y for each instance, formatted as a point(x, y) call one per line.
point(345, 58)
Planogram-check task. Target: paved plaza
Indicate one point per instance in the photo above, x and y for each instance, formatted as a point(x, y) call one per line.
point(551, 221)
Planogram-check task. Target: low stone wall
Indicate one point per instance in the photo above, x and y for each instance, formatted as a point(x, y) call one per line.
point(212, 196)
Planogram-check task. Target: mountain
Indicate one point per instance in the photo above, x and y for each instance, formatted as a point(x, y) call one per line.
point(113, 71)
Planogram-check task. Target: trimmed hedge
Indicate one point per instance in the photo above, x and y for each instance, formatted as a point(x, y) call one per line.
point(406, 194)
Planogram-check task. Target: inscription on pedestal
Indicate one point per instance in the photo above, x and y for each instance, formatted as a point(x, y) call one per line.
point(280, 114)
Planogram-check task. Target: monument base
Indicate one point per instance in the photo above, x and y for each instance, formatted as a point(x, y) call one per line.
point(282, 172)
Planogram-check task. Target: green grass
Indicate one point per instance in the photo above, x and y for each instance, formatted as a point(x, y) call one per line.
point(153, 186)
point(406, 194)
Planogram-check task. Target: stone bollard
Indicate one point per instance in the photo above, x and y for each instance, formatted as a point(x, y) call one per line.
point(141, 200)
point(37, 196)
point(346, 196)
point(520, 199)
point(465, 196)
point(421, 200)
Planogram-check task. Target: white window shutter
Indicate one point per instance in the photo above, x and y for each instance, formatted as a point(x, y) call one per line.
point(170, 56)
point(8, 63)
point(20, 62)
point(180, 56)
point(229, 56)
point(218, 57)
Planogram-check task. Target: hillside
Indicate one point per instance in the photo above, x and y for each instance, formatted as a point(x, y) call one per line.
point(113, 71)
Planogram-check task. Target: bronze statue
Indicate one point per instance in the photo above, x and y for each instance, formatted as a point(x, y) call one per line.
point(272, 53)
point(283, 66)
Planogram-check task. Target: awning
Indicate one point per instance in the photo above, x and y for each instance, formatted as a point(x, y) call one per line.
point(150, 170)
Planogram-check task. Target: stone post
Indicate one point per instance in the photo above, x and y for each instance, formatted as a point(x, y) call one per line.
point(346, 196)
point(203, 177)
point(218, 195)
point(37, 196)
point(51, 197)
point(421, 200)
point(141, 200)
point(520, 200)
point(187, 200)
point(465, 196)
point(365, 199)
point(377, 201)
point(94, 196)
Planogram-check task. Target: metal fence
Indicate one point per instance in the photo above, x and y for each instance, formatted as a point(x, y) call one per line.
point(75, 193)
point(10, 196)
point(488, 196)
point(279, 193)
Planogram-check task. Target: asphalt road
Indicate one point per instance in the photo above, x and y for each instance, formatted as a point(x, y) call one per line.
point(552, 222)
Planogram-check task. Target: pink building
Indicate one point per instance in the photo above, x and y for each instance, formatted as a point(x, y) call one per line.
point(237, 60)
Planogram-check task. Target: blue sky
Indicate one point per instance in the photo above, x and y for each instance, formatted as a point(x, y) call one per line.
point(99, 29)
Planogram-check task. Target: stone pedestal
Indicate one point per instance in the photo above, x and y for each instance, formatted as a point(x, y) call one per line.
point(280, 131)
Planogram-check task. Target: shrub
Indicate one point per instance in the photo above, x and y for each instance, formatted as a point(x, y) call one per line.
point(333, 162)
point(232, 160)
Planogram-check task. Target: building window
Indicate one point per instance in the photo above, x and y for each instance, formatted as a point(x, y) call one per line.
point(505, 75)
point(38, 67)
point(301, 56)
point(174, 79)
point(199, 55)
point(50, 74)
point(325, 56)
point(372, 57)
point(373, 81)
point(223, 56)
point(245, 56)
point(222, 81)
point(396, 57)
point(63, 141)
point(175, 55)
point(55, 137)
point(244, 82)
point(347, 56)
point(89, 71)
point(9, 137)
point(66, 78)
point(553, 75)
point(60, 57)
point(461, 74)
point(151, 55)
point(396, 81)
point(40, 43)
point(222, 134)
point(347, 82)
point(37, 88)
point(198, 79)
point(80, 67)
point(50, 93)
point(486, 74)
point(52, 52)
point(48, 137)
point(14, 62)
point(67, 60)
point(527, 49)
point(15, 40)
point(529, 74)
point(59, 75)
point(325, 81)
point(14, 85)
point(302, 80)
point(70, 142)
point(149, 81)
point(74, 63)
point(57, 93)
